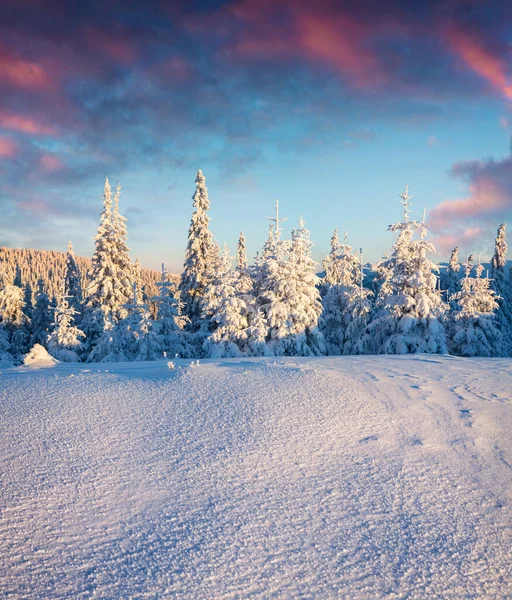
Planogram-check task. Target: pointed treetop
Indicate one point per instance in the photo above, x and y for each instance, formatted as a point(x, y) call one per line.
point(345, 238)
point(405, 202)
point(70, 247)
point(277, 220)
point(335, 244)
point(301, 222)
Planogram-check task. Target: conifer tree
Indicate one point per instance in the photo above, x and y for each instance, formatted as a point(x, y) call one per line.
point(42, 317)
point(291, 300)
point(473, 331)
point(346, 305)
point(168, 326)
point(227, 314)
point(73, 284)
point(330, 263)
point(501, 285)
point(123, 267)
point(410, 318)
point(28, 308)
point(109, 289)
point(201, 256)
point(450, 282)
point(137, 280)
point(17, 278)
point(64, 340)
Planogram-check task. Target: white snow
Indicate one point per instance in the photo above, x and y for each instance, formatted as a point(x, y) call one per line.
point(351, 477)
point(38, 356)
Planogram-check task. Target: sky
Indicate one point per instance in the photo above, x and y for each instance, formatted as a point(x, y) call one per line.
point(330, 106)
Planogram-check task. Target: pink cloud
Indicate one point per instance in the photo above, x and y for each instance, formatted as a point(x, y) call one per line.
point(50, 162)
point(466, 238)
point(489, 201)
point(481, 61)
point(22, 73)
point(23, 123)
point(8, 147)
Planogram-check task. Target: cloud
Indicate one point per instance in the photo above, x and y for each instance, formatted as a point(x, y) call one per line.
point(8, 147)
point(489, 66)
point(24, 123)
point(488, 202)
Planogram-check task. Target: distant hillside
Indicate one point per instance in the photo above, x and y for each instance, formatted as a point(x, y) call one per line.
point(50, 265)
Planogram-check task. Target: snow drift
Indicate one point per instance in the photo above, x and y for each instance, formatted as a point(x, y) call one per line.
point(355, 477)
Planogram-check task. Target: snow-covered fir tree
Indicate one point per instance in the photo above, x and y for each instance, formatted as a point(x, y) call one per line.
point(227, 313)
point(137, 280)
point(64, 341)
point(473, 331)
point(346, 305)
point(6, 358)
point(410, 318)
point(331, 263)
point(42, 317)
point(124, 269)
point(450, 282)
point(18, 282)
point(13, 320)
point(73, 284)
point(244, 281)
point(129, 339)
point(290, 298)
point(201, 256)
point(109, 289)
point(501, 285)
point(28, 308)
point(169, 324)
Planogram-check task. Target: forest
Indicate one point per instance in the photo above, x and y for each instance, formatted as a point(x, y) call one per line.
point(109, 309)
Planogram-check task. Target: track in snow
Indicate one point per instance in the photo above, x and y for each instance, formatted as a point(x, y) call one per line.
point(354, 477)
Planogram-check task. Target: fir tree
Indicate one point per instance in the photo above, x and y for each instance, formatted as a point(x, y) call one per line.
point(73, 284)
point(409, 319)
point(473, 331)
point(501, 285)
point(168, 326)
point(137, 280)
point(227, 314)
point(17, 278)
point(109, 289)
point(64, 340)
point(291, 300)
point(330, 263)
point(28, 301)
point(42, 317)
point(201, 256)
point(346, 305)
point(451, 280)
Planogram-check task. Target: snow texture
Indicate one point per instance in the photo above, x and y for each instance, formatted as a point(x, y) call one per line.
point(353, 477)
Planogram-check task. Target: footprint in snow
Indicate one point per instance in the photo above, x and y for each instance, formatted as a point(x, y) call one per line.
point(370, 438)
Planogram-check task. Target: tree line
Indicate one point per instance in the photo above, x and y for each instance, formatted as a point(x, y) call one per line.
point(278, 306)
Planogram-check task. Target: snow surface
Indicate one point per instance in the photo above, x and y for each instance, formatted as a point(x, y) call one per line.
point(353, 477)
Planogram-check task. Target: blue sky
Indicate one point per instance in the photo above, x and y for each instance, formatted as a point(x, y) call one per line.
point(331, 108)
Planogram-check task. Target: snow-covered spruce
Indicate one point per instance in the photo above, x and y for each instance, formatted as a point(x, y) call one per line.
point(110, 288)
point(290, 298)
point(73, 284)
point(42, 317)
point(64, 342)
point(346, 304)
point(473, 331)
point(201, 257)
point(169, 324)
point(227, 313)
point(502, 286)
point(410, 318)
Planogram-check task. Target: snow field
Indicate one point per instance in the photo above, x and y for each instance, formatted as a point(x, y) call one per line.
point(352, 477)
